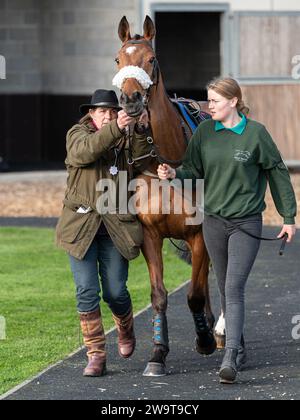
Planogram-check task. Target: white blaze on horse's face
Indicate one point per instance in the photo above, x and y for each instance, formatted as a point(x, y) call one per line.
point(130, 50)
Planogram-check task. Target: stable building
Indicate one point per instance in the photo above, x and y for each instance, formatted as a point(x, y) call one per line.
point(55, 53)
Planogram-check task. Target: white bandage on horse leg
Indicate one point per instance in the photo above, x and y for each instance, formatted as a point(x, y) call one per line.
point(220, 327)
point(132, 72)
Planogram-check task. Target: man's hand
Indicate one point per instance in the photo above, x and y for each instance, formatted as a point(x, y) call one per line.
point(124, 120)
point(290, 230)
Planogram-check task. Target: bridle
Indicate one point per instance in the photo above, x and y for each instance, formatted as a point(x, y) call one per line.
point(155, 79)
point(155, 72)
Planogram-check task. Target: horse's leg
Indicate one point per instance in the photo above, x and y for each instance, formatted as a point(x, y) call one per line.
point(219, 332)
point(152, 250)
point(197, 296)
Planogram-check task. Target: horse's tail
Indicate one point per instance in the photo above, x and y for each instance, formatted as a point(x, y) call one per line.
point(183, 251)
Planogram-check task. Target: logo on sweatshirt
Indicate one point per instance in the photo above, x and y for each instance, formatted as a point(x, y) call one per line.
point(241, 155)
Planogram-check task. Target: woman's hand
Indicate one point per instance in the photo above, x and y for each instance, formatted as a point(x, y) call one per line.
point(124, 120)
point(290, 230)
point(166, 172)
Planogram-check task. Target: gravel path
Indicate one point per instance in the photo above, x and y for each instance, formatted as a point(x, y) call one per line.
point(40, 194)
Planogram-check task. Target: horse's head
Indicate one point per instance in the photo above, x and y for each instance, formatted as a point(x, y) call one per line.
point(138, 68)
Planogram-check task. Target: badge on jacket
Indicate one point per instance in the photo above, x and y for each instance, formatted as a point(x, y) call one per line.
point(113, 170)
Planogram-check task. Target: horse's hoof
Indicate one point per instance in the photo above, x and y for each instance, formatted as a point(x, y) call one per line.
point(207, 350)
point(220, 340)
point(155, 369)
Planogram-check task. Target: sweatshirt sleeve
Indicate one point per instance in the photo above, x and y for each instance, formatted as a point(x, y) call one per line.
point(84, 148)
point(192, 167)
point(278, 177)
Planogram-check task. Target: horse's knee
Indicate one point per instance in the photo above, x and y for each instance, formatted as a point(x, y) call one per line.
point(196, 303)
point(159, 299)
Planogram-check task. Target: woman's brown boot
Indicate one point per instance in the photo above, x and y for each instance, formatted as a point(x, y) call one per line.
point(94, 340)
point(126, 338)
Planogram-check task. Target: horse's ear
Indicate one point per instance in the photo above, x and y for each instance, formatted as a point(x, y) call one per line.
point(124, 30)
point(149, 29)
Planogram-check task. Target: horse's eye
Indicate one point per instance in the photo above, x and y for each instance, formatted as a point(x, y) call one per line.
point(152, 59)
point(117, 60)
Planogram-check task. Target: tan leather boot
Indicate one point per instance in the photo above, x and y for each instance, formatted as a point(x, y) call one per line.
point(94, 340)
point(126, 338)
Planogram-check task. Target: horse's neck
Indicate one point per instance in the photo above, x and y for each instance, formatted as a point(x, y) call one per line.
point(166, 125)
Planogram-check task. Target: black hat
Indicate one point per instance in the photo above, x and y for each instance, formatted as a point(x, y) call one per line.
point(101, 98)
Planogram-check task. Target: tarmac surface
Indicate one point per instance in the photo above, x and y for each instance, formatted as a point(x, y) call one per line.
point(46, 222)
point(272, 371)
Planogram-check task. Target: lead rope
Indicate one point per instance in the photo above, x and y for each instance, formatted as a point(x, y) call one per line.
point(261, 238)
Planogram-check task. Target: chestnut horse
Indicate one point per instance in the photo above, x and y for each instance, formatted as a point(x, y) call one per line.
point(141, 85)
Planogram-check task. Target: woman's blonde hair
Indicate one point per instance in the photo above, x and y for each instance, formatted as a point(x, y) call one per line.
point(229, 88)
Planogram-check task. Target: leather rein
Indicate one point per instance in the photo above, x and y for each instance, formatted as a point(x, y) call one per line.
point(129, 132)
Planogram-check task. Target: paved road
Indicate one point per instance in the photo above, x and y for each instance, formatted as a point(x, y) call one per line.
point(273, 371)
point(47, 222)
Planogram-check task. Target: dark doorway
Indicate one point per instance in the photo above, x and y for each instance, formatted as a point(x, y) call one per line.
point(188, 50)
point(38, 139)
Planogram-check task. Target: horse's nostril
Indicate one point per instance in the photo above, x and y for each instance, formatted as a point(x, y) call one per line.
point(124, 98)
point(137, 96)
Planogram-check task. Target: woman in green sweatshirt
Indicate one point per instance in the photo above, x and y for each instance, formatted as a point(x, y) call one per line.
point(236, 157)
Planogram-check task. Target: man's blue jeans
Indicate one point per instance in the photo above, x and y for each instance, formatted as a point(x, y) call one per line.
point(104, 260)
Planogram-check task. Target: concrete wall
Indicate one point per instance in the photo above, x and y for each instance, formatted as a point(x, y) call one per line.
point(60, 46)
point(81, 40)
point(68, 46)
point(20, 44)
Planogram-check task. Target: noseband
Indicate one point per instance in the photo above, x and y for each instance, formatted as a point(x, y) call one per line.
point(141, 76)
point(138, 73)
